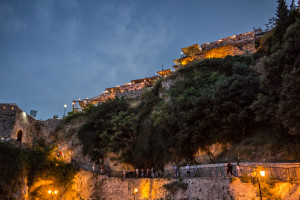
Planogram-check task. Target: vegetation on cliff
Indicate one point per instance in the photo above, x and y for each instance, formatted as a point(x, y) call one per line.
point(38, 167)
point(214, 100)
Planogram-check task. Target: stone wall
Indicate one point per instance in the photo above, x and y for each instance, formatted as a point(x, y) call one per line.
point(7, 119)
point(130, 94)
point(90, 186)
point(12, 118)
point(237, 49)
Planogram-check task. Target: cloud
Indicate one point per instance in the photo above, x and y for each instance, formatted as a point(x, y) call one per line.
point(136, 41)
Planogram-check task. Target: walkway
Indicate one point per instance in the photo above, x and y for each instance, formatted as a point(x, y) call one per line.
point(290, 172)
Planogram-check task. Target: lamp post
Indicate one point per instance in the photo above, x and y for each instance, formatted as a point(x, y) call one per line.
point(65, 109)
point(134, 193)
point(258, 176)
point(52, 193)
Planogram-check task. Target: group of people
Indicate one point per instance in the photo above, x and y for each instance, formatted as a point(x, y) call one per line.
point(230, 169)
point(188, 168)
point(141, 173)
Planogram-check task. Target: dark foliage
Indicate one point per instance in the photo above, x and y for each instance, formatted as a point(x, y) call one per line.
point(36, 163)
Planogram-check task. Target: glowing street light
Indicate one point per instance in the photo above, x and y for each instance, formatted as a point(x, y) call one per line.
point(134, 192)
point(52, 193)
point(65, 106)
point(259, 173)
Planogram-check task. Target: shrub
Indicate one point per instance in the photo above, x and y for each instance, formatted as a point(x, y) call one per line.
point(175, 186)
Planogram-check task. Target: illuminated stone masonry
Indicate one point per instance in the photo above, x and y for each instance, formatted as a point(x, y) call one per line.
point(233, 45)
point(13, 121)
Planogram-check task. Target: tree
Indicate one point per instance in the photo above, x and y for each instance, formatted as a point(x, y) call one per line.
point(124, 131)
point(282, 13)
point(289, 105)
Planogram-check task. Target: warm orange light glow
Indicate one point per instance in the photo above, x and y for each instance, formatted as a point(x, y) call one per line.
point(55, 192)
point(12, 108)
point(4, 107)
point(186, 60)
point(135, 190)
point(262, 173)
point(49, 191)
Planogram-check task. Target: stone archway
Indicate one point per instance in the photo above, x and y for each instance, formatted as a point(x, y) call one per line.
point(19, 135)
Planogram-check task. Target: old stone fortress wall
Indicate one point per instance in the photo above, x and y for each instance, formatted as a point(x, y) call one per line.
point(13, 121)
point(233, 45)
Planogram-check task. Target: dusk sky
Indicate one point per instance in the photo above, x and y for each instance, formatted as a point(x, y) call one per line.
point(56, 51)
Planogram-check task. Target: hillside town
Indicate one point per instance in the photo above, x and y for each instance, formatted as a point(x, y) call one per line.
point(234, 45)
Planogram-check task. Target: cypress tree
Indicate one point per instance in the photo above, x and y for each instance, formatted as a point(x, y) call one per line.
point(282, 12)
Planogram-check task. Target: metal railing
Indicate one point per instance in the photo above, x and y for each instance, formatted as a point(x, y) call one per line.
point(277, 173)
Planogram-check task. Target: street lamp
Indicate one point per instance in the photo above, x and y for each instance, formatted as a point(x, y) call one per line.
point(52, 193)
point(134, 192)
point(258, 176)
point(65, 109)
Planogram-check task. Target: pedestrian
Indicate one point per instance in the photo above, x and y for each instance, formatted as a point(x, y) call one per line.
point(136, 173)
point(142, 173)
point(147, 173)
point(196, 172)
point(152, 172)
point(229, 168)
point(175, 170)
point(238, 170)
point(187, 170)
point(101, 169)
point(124, 173)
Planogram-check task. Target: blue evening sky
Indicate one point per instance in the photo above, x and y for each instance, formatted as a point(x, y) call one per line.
point(55, 51)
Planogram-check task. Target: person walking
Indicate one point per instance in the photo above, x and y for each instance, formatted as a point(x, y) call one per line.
point(136, 173)
point(196, 172)
point(238, 170)
point(124, 173)
point(101, 169)
point(187, 170)
point(142, 173)
point(175, 170)
point(152, 172)
point(229, 168)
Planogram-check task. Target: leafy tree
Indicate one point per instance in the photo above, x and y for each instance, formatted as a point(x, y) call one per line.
point(289, 104)
point(96, 133)
point(124, 131)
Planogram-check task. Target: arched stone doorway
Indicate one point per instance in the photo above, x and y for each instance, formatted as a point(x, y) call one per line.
point(19, 135)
